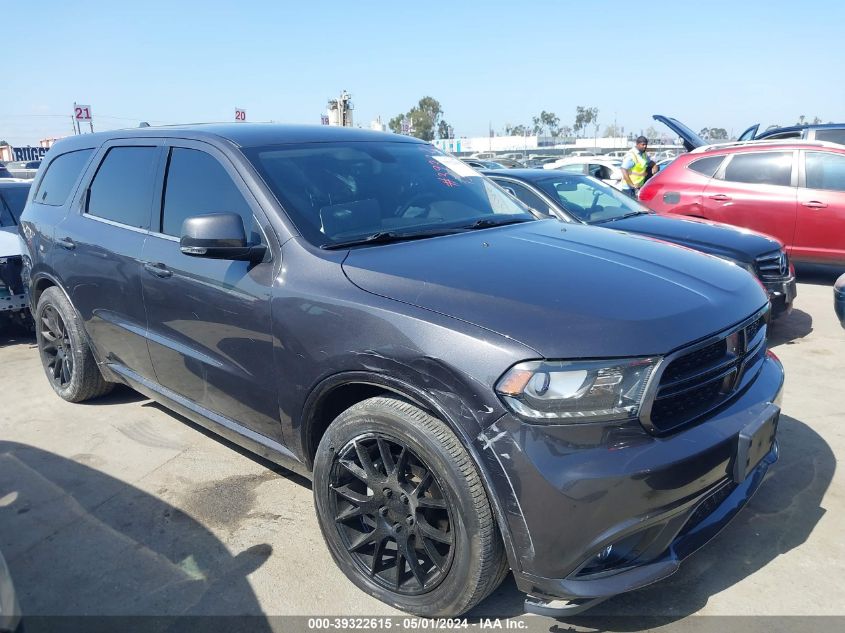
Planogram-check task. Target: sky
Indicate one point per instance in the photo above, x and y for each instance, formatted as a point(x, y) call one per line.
point(493, 62)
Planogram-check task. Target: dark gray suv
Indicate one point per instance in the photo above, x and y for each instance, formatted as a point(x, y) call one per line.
point(472, 390)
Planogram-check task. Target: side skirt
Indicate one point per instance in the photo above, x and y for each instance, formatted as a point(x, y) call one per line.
point(259, 444)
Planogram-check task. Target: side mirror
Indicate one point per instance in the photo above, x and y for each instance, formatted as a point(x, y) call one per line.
point(218, 236)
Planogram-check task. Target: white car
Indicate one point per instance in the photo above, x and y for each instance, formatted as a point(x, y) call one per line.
point(13, 303)
point(607, 170)
point(25, 169)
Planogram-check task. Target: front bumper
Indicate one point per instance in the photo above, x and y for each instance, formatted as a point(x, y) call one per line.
point(782, 293)
point(569, 492)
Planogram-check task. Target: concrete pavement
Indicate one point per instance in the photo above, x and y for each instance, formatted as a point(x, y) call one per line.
point(122, 507)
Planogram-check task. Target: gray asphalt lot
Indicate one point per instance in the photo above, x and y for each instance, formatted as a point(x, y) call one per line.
point(121, 507)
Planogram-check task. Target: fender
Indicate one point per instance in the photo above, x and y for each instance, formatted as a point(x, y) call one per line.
point(108, 374)
point(426, 402)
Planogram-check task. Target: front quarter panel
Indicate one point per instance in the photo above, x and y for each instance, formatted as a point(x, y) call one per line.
point(324, 326)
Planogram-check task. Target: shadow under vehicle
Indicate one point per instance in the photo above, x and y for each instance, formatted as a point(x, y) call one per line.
point(87, 550)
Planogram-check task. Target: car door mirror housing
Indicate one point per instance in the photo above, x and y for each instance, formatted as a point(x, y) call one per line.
point(218, 236)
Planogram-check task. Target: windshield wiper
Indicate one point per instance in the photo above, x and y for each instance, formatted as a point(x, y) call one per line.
point(386, 237)
point(622, 217)
point(486, 223)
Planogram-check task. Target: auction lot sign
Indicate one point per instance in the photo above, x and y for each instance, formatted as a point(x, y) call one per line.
point(29, 153)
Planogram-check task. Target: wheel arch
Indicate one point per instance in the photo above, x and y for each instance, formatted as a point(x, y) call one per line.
point(349, 388)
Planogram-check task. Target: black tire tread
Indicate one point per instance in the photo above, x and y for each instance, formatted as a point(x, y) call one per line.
point(90, 383)
point(493, 562)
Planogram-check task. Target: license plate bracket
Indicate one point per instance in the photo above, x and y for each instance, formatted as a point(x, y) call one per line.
point(754, 442)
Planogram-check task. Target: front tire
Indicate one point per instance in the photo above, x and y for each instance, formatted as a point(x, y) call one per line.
point(403, 510)
point(67, 360)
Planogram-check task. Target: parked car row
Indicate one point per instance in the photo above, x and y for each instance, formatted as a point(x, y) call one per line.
point(473, 390)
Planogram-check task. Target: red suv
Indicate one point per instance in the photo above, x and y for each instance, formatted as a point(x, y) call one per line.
point(794, 191)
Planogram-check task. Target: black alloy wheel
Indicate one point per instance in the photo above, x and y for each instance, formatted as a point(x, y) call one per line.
point(391, 514)
point(57, 348)
point(66, 356)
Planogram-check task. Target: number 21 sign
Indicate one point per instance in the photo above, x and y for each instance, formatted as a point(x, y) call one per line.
point(81, 112)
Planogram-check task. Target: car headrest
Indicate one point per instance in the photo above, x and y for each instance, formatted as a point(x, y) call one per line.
point(566, 185)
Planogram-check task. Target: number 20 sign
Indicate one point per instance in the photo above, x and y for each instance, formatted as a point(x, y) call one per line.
point(240, 115)
point(81, 112)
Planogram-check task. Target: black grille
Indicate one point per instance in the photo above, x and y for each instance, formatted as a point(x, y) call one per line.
point(773, 265)
point(752, 330)
point(694, 360)
point(707, 376)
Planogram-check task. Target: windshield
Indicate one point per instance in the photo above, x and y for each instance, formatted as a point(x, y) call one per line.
point(12, 202)
point(590, 200)
point(339, 192)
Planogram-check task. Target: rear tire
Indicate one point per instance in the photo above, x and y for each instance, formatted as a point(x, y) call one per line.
point(393, 484)
point(67, 360)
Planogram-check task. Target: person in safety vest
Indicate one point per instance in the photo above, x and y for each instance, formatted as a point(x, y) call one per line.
point(636, 167)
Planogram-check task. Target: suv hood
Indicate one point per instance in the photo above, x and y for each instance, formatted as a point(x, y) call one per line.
point(10, 243)
point(702, 235)
point(567, 292)
point(690, 138)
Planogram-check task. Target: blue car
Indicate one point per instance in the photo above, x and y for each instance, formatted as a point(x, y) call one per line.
point(580, 199)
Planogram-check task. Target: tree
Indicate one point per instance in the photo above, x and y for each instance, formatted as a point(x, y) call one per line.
point(652, 134)
point(816, 120)
point(395, 124)
point(3, 143)
point(613, 131)
point(705, 133)
point(443, 129)
point(424, 118)
point(583, 117)
point(718, 133)
point(539, 126)
point(566, 131)
point(801, 120)
point(516, 130)
point(551, 122)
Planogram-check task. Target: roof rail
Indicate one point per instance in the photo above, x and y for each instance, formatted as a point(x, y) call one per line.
point(764, 142)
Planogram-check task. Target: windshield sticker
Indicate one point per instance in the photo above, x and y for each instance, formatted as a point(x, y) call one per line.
point(456, 166)
point(441, 173)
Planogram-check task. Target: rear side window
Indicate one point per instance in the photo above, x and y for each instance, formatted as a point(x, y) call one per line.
point(526, 196)
point(833, 136)
point(122, 190)
point(197, 184)
point(62, 173)
point(706, 166)
point(825, 171)
point(764, 168)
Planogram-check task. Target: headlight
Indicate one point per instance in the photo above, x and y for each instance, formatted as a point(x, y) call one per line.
point(576, 391)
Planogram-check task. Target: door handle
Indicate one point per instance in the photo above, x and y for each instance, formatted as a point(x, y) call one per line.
point(66, 243)
point(158, 269)
point(815, 204)
point(720, 196)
